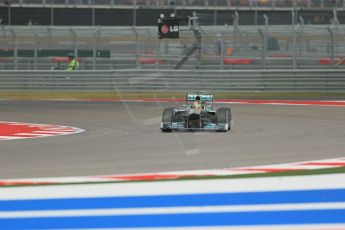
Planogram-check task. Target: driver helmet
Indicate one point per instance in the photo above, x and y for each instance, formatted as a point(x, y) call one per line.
point(71, 55)
point(197, 103)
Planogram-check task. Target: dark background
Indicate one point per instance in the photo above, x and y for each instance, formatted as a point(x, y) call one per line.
point(148, 17)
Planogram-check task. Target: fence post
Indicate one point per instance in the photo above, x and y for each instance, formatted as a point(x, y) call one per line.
point(336, 23)
point(197, 35)
point(35, 47)
point(15, 54)
point(215, 14)
point(134, 12)
point(255, 13)
point(262, 44)
point(301, 35)
point(220, 39)
point(49, 35)
point(157, 52)
point(9, 13)
point(236, 20)
point(137, 47)
point(51, 13)
point(4, 35)
point(263, 35)
point(293, 17)
point(331, 44)
point(295, 46)
point(93, 13)
point(265, 42)
point(75, 42)
point(96, 36)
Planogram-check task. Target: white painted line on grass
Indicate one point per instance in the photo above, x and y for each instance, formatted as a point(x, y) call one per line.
point(173, 210)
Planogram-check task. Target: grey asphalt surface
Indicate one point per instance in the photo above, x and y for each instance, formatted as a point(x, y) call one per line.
point(125, 138)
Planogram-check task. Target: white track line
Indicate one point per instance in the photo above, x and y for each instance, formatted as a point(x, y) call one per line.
point(173, 210)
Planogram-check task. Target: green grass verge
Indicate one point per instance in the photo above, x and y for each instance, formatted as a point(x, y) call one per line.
point(192, 178)
point(116, 95)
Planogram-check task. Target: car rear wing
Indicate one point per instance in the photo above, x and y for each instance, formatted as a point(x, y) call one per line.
point(203, 97)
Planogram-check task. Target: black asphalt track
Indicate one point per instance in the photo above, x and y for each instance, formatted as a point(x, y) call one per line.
point(125, 138)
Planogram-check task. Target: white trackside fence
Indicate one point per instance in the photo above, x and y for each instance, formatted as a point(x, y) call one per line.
point(228, 47)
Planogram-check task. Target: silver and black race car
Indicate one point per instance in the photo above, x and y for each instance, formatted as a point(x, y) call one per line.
point(197, 117)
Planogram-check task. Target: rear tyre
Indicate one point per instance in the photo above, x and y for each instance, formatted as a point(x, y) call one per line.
point(229, 118)
point(167, 117)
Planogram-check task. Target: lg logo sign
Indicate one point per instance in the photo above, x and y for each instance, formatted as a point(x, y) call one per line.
point(166, 28)
point(174, 29)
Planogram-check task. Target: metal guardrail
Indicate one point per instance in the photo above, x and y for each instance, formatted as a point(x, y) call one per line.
point(175, 81)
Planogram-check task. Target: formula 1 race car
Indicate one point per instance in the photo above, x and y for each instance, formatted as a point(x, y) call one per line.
point(197, 114)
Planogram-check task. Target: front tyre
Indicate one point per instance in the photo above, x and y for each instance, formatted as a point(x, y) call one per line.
point(167, 119)
point(223, 119)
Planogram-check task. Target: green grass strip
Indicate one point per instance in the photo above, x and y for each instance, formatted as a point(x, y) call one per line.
point(242, 176)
